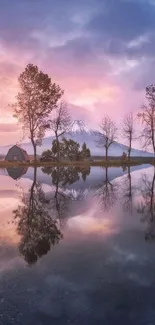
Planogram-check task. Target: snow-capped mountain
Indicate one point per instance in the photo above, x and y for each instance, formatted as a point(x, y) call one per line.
point(80, 133)
point(78, 126)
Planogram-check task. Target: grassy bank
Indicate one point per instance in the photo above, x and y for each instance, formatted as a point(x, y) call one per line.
point(112, 162)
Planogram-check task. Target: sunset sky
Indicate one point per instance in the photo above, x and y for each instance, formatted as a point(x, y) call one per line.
point(101, 52)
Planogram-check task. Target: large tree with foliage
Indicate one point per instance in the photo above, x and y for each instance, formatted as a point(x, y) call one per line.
point(147, 117)
point(35, 101)
point(68, 150)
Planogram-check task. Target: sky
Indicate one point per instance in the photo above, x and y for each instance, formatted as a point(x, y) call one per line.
point(101, 52)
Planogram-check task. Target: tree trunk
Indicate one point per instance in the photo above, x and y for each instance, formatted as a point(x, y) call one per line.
point(32, 195)
point(129, 151)
point(35, 175)
point(152, 196)
point(58, 147)
point(35, 150)
point(106, 153)
point(129, 177)
point(153, 141)
point(106, 175)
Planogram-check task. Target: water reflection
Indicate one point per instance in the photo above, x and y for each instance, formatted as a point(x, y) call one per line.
point(102, 271)
point(127, 192)
point(35, 224)
point(16, 173)
point(60, 178)
point(37, 216)
point(107, 193)
point(66, 175)
point(41, 216)
point(146, 206)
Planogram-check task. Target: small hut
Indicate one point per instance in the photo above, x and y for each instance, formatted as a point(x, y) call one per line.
point(16, 153)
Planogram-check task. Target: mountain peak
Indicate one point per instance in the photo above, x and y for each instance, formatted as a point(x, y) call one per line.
point(79, 126)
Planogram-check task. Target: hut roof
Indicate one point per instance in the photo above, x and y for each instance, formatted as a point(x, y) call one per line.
point(24, 151)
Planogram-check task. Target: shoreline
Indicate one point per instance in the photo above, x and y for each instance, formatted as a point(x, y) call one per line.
point(112, 162)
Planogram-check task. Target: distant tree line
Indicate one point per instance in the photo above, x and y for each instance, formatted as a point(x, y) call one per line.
point(39, 107)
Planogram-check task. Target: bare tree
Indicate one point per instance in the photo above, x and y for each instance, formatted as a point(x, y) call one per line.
point(34, 103)
point(107, 134)
point(128, 131)
point(60, 123)
point(147, 117)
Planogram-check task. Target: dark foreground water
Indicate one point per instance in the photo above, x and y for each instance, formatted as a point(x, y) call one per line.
point(77, 246)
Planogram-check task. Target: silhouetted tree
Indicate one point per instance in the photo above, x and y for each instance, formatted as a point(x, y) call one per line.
point(60, 124)
point(107, 135)
point(147, 117)
point(35, 224)
point(34, 103)
point(128, 131)
point(85, 152)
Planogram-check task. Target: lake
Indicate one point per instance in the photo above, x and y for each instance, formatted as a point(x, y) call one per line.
point(77, 246)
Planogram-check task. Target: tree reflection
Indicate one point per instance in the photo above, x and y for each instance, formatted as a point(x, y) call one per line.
point(107, 193)
point(66, 175)
point(147, 205)
point(61, 177)
point(35, 224)
point(127, 192)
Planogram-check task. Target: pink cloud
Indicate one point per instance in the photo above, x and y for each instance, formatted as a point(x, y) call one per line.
point(8, 127)
point(91, 87)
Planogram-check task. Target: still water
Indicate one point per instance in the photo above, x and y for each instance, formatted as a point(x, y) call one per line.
point(77, 246)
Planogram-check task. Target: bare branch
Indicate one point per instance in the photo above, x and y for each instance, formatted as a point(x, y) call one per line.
point(61, 121)
point(147, 118)
point(128, 131)
point(107, 134)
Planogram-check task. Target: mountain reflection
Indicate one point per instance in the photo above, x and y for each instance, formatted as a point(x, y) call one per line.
point(60, 178)
point(35, 224)
point(147, 205)
point(43, 214)
point(107, 193)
